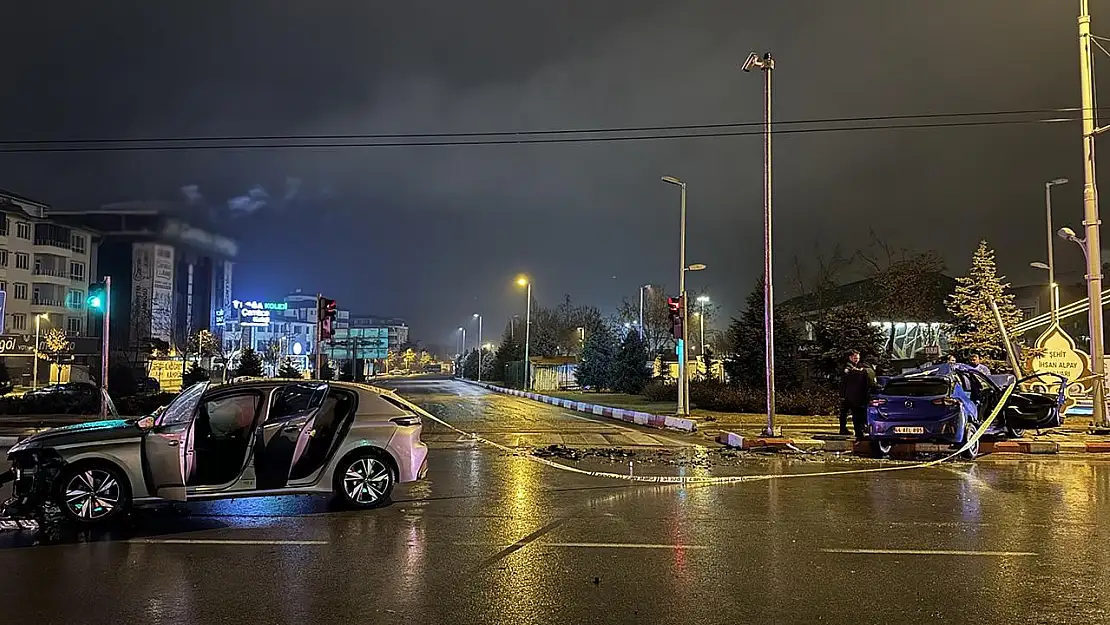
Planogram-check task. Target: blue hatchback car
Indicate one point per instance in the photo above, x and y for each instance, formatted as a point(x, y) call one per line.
point(947, 403)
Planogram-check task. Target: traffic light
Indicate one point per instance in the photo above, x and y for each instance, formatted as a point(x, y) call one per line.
point(98, 298)
point(674, 309)
point(327, 314)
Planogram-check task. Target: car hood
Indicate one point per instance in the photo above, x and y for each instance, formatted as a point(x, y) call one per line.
point(92, 432)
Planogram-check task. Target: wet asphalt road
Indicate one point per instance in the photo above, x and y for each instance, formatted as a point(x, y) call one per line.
point(490, 537)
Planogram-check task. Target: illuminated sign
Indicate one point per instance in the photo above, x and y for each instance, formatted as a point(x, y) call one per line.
point(257, 314)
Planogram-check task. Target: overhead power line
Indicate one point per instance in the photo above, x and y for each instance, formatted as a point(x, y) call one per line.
point(595, 135)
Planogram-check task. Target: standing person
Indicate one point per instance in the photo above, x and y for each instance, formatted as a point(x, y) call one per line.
point(979, 365)
point(855, 382)
point(951, 359)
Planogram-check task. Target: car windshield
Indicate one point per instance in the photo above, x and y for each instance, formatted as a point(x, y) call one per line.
point(916, 387)
point(183, 407)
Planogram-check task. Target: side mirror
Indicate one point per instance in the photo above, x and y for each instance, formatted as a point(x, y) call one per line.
point(146, 423)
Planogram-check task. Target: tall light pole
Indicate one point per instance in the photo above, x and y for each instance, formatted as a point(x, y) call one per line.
point(680, 342)
point(703, 300)
point(1090, 212)
point(462, 353)
point(35, 370)
point(1053, 291)
point(479, 318)
point(646, 286)
point(1055, 303)
point(767, 64)
point(525, 282)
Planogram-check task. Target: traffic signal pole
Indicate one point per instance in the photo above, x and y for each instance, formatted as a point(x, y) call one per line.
point(319, 338)
point(104, 347)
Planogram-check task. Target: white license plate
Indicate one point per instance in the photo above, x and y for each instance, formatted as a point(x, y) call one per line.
point(909, 430)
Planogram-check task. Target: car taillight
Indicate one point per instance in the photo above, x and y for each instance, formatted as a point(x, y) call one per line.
point(945, 401)
point(406, 421)
point(878, 402)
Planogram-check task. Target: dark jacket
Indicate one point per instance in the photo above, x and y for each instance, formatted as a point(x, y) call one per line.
point(855, 384)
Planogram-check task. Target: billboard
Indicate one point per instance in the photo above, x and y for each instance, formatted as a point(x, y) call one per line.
point(360, 343)
point(161, 293)
point(142, 286)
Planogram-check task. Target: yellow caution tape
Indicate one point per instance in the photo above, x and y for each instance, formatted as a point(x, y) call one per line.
point(674, 479)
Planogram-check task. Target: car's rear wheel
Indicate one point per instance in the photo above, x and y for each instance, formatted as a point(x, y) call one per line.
point(972, 452)
point(365, 480)
point(881, 449)
point(92, 493)
point(1014, 432)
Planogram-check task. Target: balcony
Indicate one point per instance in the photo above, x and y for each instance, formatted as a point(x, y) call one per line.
point(52, 275)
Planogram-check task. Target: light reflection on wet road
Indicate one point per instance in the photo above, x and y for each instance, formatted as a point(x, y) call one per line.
point(492, 538)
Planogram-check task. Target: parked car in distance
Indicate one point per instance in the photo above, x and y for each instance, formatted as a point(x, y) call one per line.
point(245, 439)
point(947, 404)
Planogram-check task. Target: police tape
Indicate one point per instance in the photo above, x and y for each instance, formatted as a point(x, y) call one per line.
point(735, 479)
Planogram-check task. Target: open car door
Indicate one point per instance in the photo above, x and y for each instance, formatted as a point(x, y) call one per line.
point(289, 424)
point(168, 446)
point(1036, 411)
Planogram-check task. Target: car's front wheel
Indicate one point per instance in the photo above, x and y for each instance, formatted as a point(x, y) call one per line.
point(92, 493)
point(972, 451)
point(365, 480)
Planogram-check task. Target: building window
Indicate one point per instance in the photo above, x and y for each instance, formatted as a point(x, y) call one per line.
point(76, 271)
point(20, 291)
point(3, 286)
point(22, 261)
point(3, 258)
point(23, 230)
point(73, 325)
point(76, 299)
point(4, 225)
point(78, 243)
point(19, 321)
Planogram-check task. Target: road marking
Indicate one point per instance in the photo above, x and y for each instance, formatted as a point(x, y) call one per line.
point(591, 545)
point(217, 541)
point(932, 552)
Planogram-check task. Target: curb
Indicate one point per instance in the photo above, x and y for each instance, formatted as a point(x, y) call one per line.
point(620, 414)
point(737, 441)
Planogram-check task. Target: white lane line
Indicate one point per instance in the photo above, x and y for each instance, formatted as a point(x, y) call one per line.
point(932, 552)
point(216, 541)
point(591, 545)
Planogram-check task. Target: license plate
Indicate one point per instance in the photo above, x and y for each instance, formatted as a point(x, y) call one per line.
point(909, 430)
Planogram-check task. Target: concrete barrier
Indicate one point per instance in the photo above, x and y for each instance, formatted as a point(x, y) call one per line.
point(621, 414)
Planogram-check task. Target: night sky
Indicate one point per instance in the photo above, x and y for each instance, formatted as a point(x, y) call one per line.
point(437, 233)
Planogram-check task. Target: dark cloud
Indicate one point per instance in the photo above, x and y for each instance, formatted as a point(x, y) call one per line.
point(434, 232)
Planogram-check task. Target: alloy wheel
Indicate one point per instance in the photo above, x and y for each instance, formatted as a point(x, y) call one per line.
point(366, 481)
point(93, 494)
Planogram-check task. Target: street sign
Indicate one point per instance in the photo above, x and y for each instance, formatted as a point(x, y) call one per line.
point(15, 345)
point(932, 350)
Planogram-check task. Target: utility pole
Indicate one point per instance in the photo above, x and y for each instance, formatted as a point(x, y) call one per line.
point(479, 346)
point(767, 64)
point(104, 347)
point(35, 369)
point(1091, 220)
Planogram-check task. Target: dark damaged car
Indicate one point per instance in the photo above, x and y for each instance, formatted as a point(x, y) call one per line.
point(256, 438)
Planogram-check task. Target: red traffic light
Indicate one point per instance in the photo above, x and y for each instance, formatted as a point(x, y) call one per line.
point(675, 304)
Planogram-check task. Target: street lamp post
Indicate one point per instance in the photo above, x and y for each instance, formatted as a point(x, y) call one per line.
point(1051, 260)
point(1095, 319)
point(703, 300)
point(1053, 291)
point(525, 282)
point(767, 64)
point(646, 286)
point(462, 352)
point(680, 343)
point(479, 318)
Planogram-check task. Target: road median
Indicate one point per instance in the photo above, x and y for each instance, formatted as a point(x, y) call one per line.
point(637, 417)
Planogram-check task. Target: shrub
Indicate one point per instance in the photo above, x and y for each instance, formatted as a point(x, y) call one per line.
point(714, 395)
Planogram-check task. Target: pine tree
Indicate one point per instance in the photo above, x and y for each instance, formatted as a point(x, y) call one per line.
point(841, 330)
point(595, 364)
point(195, 375)
point(975, 330)
point(630, 370)
point(250, 364)
point(510, 350)
point(288, 370)
point(747, 366)
point(470, 365)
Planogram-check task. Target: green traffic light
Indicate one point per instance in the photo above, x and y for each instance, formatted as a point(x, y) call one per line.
point(94, 301)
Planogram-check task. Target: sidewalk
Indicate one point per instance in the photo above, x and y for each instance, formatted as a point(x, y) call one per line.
point(808, 433)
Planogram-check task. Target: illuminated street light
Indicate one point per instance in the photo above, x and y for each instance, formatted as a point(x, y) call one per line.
point(523, 281)
point(479, 318)
point(680, 343)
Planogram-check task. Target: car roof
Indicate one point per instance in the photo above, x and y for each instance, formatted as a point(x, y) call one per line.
point(272, 382)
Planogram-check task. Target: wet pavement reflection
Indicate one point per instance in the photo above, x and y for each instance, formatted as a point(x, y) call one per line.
point(493, 537)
